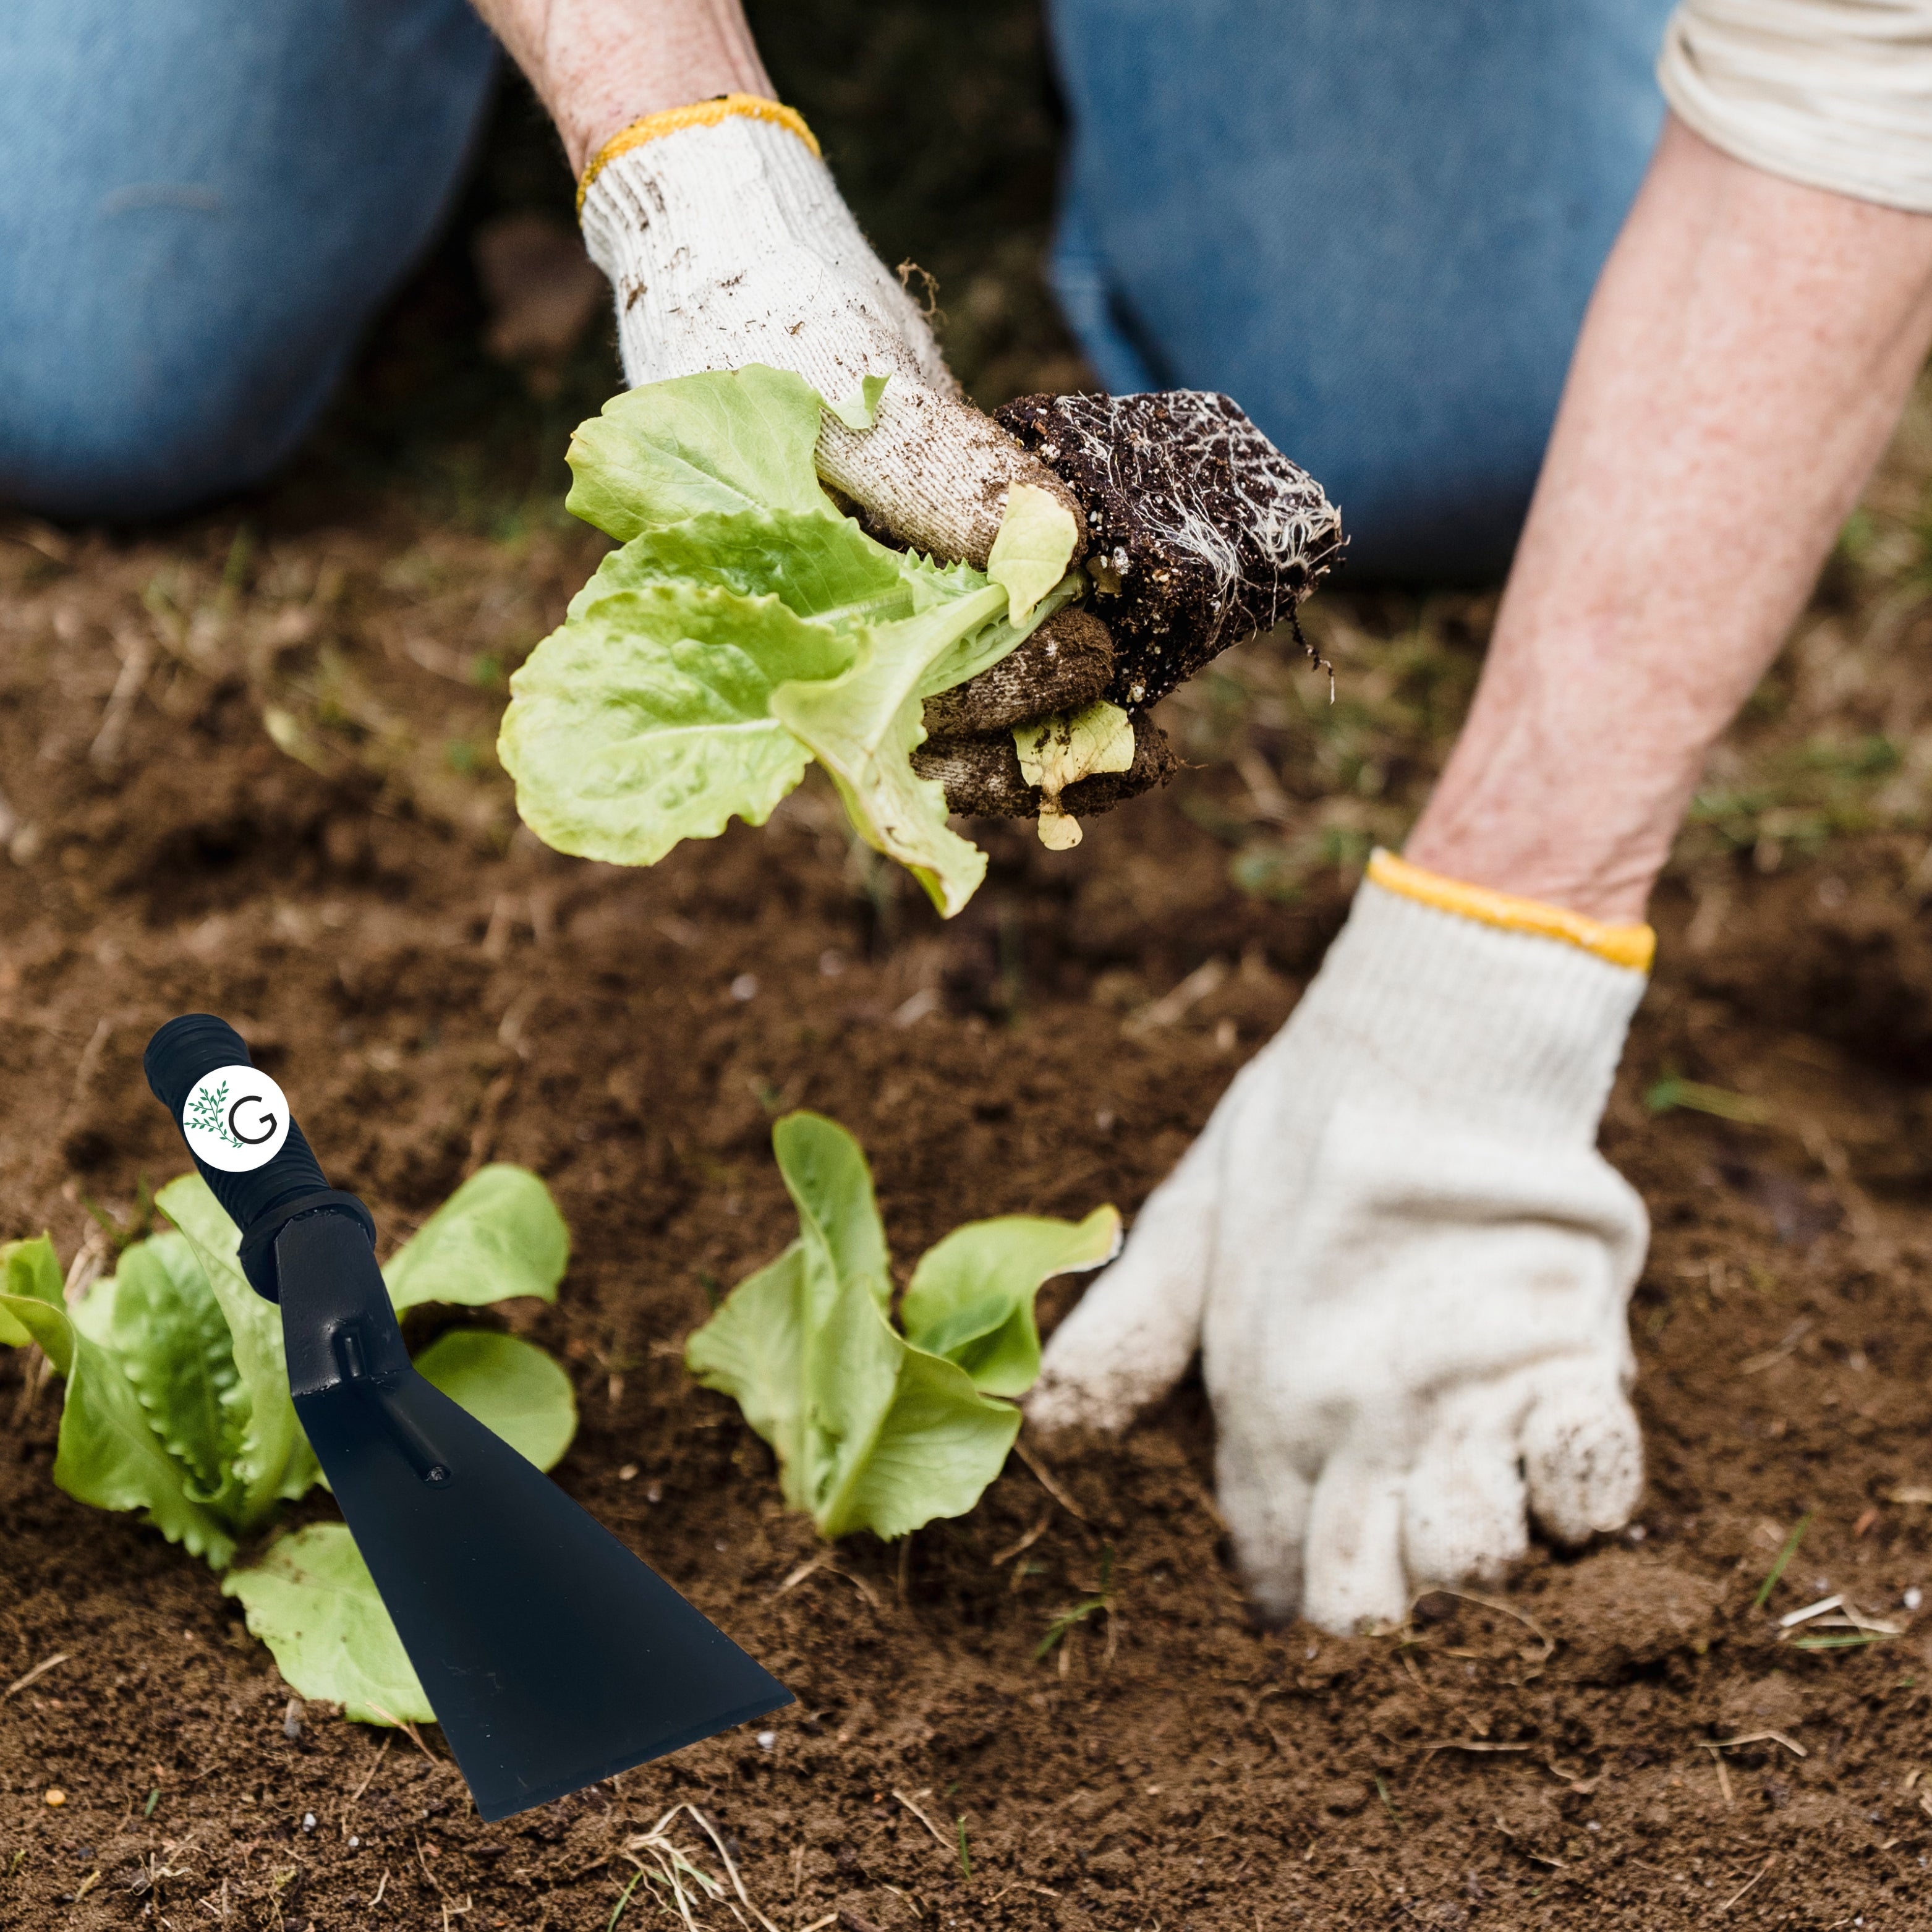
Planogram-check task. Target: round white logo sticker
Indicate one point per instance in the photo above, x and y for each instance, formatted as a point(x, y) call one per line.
point(236, 1118)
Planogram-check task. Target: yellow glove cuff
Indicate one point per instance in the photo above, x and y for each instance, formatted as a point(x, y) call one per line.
point(699, 114)
point(1634, 947)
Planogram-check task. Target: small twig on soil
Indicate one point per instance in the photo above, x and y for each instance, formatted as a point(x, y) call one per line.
point(1470, 1744)
point(1026, 1543)
point(1724, 1776)
point(938, 1836)
point(1047, 1482)
point(1746, 1885)
point(39, 1671)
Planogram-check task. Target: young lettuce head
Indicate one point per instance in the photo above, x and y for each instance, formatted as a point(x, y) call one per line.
point(874, 1427)
point(747, 627)
point(176, 1404)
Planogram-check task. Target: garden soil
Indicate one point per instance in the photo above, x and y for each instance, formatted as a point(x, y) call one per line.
point(245, 766)
point(1622, 1736)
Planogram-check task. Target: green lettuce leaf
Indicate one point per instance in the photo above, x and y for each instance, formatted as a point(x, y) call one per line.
point(648, 720)
point(863, 728)
point(269, 1459)
point(817, 567)
point(510, 1386)
point(726, 441)
point(746, 627)
point(1033, 549)
point(171, 1338)
point(31, 1269)
point(971, 1297)
point(875, 1429)
point(312, 1601)
point(499, 1234)
point(754, 1350)
point(109, 1454)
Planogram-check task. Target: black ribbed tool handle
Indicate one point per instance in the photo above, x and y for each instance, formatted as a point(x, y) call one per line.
point(236, 1122)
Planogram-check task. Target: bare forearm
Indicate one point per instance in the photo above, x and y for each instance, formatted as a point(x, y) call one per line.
point(599, 64)
point(1749, 347)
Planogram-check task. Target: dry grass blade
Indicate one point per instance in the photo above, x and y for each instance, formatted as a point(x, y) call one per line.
point(1470, 1744)
point(1178, 1001)
point(939, 1838)
point(1758, 1737)
point(1024, 1544)
point(1528, 1623)
point(1753, 1364)
point(1748, 1883)
point(826, 1561)
point(737, 1883)
point(671, 1866)
point(1047, 1482)
point(34, 1676)
point(408, 1730)
point(1810, 1610)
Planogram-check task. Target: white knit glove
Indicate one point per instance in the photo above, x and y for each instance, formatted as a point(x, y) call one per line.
point(727, 243)
point(1403, 1259)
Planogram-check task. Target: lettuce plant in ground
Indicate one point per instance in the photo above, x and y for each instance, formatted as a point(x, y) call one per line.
point(747, 627)
point(176, 1404)
point(877, 1426)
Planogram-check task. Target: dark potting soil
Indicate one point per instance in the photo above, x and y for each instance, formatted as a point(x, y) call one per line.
point(1618, 1738)
point(1200, 533)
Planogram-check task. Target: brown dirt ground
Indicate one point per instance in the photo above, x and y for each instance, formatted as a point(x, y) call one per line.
point(246, 767)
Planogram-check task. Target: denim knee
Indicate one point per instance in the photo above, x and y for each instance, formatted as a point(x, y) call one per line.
point(101, 421)
point(205, 201)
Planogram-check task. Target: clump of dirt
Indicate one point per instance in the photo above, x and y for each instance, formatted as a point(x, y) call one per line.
point(983, 777)
point(1200, 533)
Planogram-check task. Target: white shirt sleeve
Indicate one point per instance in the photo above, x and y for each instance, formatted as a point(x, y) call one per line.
point(1836, 93)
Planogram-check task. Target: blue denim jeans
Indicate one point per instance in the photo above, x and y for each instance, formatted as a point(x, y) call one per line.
point(1373, 223)
point(202, 203)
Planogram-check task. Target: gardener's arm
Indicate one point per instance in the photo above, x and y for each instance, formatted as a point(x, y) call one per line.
point(598, 65)
point(706, 203)
point(1405, 1261)
point(1750, 344)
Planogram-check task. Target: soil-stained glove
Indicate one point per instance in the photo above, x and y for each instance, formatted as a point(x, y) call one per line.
point(727, 243)
point(1404, 1260)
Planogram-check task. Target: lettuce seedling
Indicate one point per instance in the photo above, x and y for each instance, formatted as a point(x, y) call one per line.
point(747, 627)
point(176, 1403)
point(874, 1427)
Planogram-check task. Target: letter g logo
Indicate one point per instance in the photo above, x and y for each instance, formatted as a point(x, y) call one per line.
point(235, 1119)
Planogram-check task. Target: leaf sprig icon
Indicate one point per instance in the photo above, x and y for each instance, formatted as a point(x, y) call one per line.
point(208, 1111)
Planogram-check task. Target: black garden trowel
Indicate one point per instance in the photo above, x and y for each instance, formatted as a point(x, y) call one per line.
point(551, 1656)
